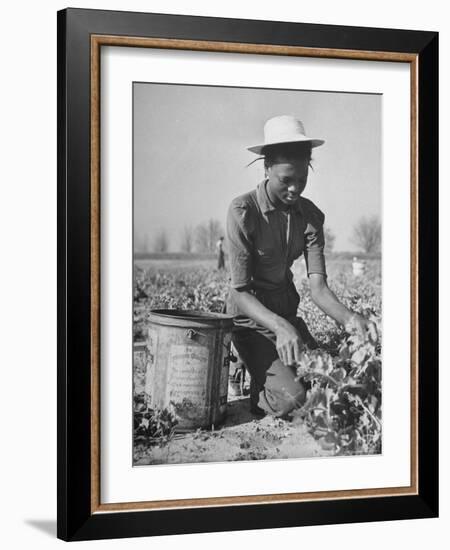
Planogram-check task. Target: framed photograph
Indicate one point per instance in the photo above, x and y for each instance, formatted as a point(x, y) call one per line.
point(247, 274)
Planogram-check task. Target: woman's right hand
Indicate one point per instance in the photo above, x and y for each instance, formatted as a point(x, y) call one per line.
point(289, 343)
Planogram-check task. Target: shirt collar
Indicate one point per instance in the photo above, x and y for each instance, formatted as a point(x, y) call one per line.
point(265, 203)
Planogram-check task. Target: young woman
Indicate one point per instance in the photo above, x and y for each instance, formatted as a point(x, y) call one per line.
point(267, 229)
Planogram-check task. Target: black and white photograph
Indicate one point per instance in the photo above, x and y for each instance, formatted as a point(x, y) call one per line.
point(225, 261)
point(257, 231)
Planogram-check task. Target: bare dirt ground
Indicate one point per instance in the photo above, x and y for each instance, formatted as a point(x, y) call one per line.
point(242, 437)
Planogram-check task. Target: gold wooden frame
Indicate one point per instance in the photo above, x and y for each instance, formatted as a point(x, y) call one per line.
point(97, 41)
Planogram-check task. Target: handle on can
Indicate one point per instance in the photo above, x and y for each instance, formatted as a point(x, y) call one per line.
point(191, 334)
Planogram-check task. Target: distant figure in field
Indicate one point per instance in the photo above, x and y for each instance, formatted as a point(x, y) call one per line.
point(358, 266)
point(220, 254)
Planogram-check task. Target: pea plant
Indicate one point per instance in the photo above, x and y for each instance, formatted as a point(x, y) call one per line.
point(343, 400)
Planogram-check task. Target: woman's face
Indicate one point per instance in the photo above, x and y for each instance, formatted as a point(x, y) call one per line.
point(287, 180)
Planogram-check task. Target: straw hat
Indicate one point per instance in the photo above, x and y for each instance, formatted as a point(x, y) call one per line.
point(284, 129)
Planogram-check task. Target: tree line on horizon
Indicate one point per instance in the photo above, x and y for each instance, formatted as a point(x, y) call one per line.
point(202, 238)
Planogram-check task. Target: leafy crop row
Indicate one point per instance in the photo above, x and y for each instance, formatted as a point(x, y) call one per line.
point(343, 407)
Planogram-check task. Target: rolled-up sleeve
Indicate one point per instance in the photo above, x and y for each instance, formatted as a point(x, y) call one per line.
point(239, 245)
point(314, 241)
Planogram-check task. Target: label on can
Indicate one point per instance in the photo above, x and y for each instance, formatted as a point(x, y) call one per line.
point(187, 379)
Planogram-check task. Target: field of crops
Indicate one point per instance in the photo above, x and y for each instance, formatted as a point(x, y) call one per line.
point(343, 377)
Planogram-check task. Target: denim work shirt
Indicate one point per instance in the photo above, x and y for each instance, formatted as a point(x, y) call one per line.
point(263, 243)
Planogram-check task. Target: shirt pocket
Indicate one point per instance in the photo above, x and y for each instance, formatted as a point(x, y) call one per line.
point(266, 254)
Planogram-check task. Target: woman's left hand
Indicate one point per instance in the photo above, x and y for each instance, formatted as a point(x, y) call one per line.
point(364, 327)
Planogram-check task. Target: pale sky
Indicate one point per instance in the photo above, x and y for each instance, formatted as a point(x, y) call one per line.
point(190, 154)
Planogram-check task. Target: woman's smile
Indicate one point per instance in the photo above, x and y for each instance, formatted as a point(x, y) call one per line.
point(292, 197)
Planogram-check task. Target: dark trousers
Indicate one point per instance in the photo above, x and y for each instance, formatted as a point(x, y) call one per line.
point(221, 260)
point(273, 385)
